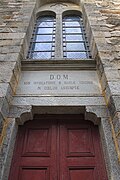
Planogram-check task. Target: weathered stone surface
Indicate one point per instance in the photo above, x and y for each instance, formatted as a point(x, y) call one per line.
point(100, 111)
point(10, 42)
point(17, 70)
point(114, 105)
point(114, 87)
point(10, 49)
point(57, 101)
point(14, 21)
point(10, 57)
point(112, 74)
point(62, 83)
point(103, 81)
point(112, 90)
point(1, 122)
point(10, 36)
point(7, 146)
point(118, 140)
point(6, 91)
point(21, 113)
point(109, 149)
point(6, 67)
point(13, 83)
point(116, 122)
point(112, 95)
point(12, 74)
point(4, 107)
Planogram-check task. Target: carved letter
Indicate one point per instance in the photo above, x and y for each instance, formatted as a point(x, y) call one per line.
point(58, 76)
point(51, 77)
point(65, 76)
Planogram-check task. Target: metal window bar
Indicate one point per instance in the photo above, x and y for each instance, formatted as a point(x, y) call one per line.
point(73, 19)
point(44, 53)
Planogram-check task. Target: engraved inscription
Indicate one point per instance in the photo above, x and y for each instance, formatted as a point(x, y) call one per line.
point(59, 77)
point(58, 83)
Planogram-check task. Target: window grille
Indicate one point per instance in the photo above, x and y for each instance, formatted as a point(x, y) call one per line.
point(75, 45)
point(42, 44)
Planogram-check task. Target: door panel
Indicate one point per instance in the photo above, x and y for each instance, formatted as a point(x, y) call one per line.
point(35, 151)
point(79, 151)
point(82, 174)
point(78, 140)
point(58, 148)
point(34, 174)
point(37, 142)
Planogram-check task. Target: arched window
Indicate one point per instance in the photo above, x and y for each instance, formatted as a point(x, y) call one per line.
point(71, 43)
point(43, 40)
point(75, 44)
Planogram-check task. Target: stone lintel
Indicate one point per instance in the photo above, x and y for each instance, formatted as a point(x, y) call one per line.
point(58, 101)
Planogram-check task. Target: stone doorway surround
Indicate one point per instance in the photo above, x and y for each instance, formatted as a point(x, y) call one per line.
point(19, 114)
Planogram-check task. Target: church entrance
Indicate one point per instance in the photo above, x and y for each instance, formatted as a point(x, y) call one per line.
point(58, 147)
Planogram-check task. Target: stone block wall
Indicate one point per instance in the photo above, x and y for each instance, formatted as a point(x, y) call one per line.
point(15, 19)
point(102, 19)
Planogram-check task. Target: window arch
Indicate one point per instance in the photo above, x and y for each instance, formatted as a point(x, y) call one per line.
point(58, 37)
point(75, 45)
point(42, 45)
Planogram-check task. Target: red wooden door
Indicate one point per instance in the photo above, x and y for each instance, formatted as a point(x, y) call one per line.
point(58, 148)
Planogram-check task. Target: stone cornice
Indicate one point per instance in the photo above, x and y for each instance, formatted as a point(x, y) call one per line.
point(61, 64)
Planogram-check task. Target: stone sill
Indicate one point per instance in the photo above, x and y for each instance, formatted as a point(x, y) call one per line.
point(58, 64)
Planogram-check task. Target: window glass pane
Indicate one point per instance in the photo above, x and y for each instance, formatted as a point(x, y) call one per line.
point(74, 38)
point(76, 55)
point(42, 46)
point(71, 18)
point(64, 48)
point(75, 46)
point(43, 38)
point(40, 55)
point(43, 41)
point(73, 30)
point(72, 23)
point(45, 24)
point(44, 30)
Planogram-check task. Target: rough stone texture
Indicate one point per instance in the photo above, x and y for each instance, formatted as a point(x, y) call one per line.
point(11, 42)
point(59, 83)
point(26, 112)
point(116, 123)
point(1, 122)
point(14, 23)
point(118, 140)
point(15, 18)
point(107, 45)
point(112, 163)
point(4, 107)
point(6, 148)
point(5, 90)
point(56, 101)
point(102, 23)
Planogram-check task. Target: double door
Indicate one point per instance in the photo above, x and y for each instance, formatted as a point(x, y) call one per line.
point(58, 148)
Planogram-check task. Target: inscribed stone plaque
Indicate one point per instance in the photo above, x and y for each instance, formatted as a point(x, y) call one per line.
point(58, 83)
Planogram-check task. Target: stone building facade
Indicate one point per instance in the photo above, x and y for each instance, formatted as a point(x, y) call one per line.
point(97, 96)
